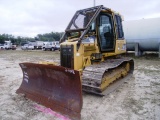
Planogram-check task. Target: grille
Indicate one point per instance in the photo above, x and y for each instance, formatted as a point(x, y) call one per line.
point(67, 56)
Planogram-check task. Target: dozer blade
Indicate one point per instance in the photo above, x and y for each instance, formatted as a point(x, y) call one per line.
point(55, 87)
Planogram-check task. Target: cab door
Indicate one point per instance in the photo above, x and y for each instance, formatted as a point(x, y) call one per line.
point(106, 33)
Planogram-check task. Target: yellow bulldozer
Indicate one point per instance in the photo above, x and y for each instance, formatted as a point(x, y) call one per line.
point(90, 60)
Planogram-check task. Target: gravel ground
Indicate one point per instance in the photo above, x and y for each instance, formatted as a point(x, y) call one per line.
point(137, 99)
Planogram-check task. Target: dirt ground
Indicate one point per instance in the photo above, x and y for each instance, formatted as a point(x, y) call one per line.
point(137, 99)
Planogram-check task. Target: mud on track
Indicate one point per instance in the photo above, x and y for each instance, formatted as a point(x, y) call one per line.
point(137, 98)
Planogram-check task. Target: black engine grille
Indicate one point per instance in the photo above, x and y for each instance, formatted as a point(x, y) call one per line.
point(67, 56)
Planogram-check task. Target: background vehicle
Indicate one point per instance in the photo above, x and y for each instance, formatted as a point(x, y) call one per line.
point(51, 46)
point(2, 46)
point(39, 44)
point(47, 46)
point(36, 44)
point(56, 45)
point(27, 47)
point(89, 60)
point(14, 47)
point(8, 45)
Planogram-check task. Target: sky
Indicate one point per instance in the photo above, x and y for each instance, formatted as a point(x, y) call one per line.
point(27, 18)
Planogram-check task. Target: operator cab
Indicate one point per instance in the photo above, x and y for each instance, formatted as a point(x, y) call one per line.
point(99, 23)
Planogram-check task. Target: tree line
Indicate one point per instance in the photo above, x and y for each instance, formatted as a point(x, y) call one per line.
point(53, 36)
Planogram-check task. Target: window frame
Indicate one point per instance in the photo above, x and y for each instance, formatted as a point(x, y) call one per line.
point(119, 27)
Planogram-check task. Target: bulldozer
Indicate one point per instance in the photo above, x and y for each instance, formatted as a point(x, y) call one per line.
point(90, 60)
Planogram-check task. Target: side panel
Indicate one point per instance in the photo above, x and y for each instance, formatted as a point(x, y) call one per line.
point(120, 42)
point(120, 46)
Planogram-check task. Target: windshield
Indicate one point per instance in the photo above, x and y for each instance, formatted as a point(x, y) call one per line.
point(81, 19)
point(82, 22)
